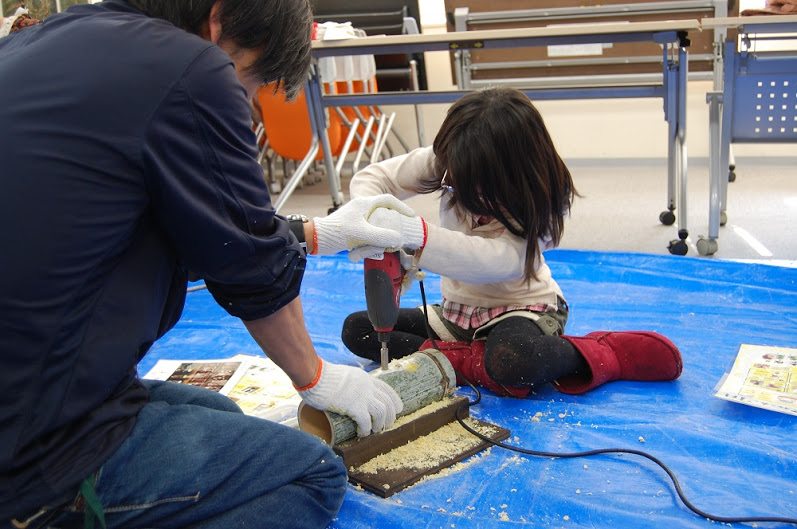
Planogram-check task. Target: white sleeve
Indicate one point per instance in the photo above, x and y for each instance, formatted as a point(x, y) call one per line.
point(397, 176)
point(471, 258)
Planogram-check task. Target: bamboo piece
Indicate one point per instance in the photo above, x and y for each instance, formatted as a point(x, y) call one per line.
point(419, 379)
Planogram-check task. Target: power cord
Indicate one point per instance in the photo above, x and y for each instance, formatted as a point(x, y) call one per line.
point(588, 453)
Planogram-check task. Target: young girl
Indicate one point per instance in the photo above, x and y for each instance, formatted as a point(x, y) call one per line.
point(505, 193)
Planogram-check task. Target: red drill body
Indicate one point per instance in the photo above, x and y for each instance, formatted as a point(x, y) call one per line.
point(382, 296)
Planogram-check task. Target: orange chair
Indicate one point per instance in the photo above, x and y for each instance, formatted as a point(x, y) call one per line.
point(289, 134)
point(287, 125)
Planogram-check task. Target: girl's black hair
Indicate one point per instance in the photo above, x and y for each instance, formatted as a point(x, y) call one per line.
point(280, 28)
point(502, 163)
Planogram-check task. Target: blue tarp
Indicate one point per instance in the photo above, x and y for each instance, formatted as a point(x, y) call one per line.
point(730, 459)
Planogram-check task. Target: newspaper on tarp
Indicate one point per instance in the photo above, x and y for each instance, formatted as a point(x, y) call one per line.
point(255, 383)
point(764, 377)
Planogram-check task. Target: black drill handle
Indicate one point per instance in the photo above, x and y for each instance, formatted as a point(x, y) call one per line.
point(383, 290)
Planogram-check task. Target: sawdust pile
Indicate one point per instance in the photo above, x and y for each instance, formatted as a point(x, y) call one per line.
point(426, 410)
point(430, 450)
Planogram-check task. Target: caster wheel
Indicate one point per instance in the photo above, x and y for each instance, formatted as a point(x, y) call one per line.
point(678, 247)
point(723, 218)
point(706, 246)
point(732, 173)
point(667, 218)
point(332, 210)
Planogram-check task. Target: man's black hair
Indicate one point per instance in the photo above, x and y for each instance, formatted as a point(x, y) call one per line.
point(280, 28)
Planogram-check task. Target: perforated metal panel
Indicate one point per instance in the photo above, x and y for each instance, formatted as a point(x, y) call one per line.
point(765, 102)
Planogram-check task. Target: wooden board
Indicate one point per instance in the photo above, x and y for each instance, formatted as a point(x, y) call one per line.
point(738, 22)
point(386, 482)
point(491, 38)
point(357, 451)
point(701, 42)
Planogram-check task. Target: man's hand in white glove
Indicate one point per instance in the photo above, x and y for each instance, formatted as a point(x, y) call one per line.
point(351, 227)
point(348, 390)
point(412, 230)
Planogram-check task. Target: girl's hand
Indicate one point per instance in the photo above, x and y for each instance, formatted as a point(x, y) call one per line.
point(411, 231)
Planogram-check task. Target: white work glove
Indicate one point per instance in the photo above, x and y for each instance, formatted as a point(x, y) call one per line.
point(349, 227)
point(411, 227)
point(348, 390)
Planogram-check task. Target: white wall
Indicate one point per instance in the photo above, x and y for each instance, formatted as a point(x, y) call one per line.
point(604, 128)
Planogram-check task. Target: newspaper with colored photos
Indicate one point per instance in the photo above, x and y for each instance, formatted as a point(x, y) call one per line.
point(764, 377)
point(255, 383)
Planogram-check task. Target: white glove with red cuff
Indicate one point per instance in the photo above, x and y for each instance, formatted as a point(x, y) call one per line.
point(412, 229)
point(348, 390)
point(349, 227)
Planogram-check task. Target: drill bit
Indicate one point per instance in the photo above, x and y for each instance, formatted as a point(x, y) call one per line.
point(384, 337)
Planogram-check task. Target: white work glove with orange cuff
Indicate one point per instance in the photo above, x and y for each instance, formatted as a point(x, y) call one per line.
point(412, 229)
point(350, 391)
point(350, 227)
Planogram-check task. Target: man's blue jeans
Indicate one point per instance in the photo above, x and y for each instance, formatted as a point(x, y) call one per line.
point(194, 460)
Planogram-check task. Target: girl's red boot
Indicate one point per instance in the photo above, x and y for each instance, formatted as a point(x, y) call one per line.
point(628, 355)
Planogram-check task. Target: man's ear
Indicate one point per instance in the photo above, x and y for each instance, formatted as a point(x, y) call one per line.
point(214, 23)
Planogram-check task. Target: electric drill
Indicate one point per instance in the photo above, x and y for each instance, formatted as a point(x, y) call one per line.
point(382, 294)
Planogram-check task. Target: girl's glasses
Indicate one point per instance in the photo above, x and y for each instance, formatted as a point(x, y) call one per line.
point(443, 184)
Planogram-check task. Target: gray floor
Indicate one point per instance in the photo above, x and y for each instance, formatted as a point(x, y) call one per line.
point(621, 202)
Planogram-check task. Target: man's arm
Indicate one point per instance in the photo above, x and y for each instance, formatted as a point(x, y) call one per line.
point(325, 386)
point(283, 337)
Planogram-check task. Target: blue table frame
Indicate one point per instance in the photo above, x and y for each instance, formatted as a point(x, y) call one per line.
point(671, 35)
point(757, 104)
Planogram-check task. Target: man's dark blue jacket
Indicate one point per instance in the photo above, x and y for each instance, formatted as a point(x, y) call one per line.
point(126, 162)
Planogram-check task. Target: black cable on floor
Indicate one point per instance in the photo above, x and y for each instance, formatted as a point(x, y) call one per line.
point(598, 451)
